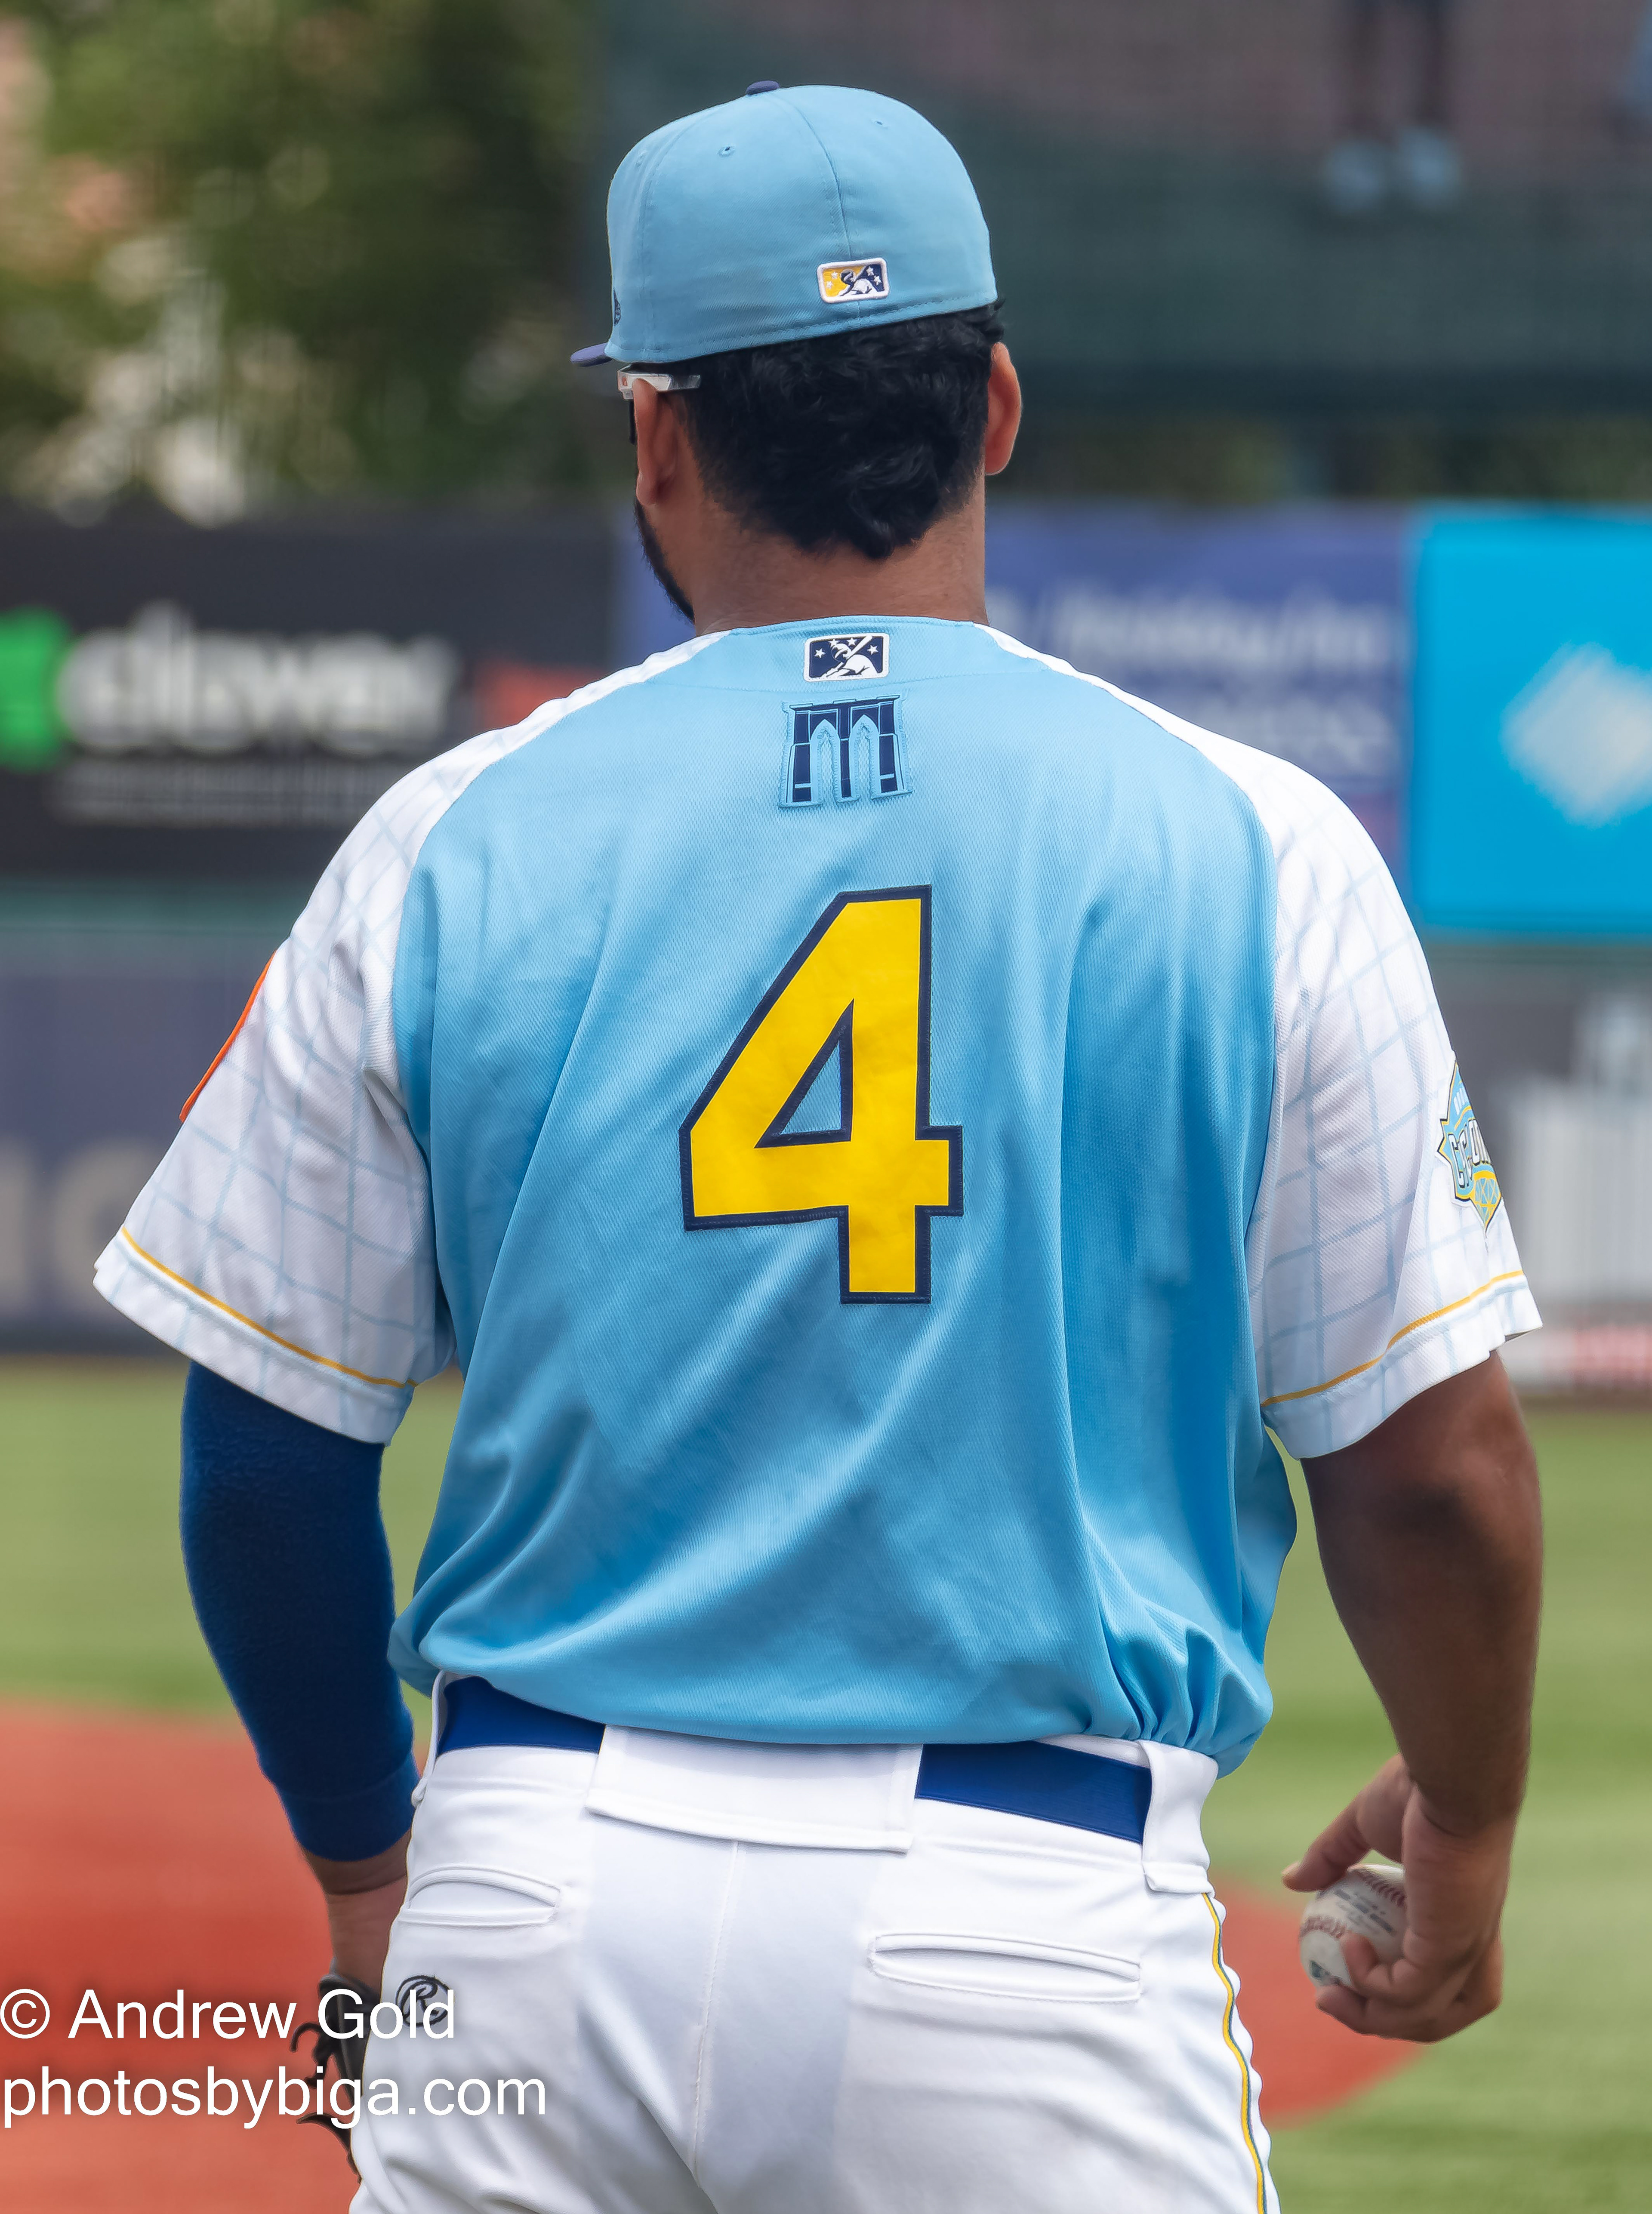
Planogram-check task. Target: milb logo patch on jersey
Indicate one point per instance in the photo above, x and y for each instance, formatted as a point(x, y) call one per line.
point(841, 281)
point(851, 656)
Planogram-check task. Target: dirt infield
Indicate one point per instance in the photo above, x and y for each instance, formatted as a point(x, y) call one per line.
point(140, 1857)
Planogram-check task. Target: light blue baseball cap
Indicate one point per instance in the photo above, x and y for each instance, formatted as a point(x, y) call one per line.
point(789, 214)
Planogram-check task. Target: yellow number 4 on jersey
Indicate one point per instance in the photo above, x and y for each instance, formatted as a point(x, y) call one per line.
point(858, 987)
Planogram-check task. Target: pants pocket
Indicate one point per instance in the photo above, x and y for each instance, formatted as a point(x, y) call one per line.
point(461, 1898)
point(1006, 1967)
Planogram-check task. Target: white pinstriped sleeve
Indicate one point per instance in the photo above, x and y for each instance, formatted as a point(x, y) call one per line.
point(286, 1240)
point(1374, 1272)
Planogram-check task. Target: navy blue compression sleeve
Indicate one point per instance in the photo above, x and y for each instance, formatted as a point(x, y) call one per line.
point(290, 1575)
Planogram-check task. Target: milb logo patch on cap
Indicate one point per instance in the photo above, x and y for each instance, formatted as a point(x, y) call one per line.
point(853, 280)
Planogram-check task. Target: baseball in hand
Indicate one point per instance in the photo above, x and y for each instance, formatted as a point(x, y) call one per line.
point(1368, 1902)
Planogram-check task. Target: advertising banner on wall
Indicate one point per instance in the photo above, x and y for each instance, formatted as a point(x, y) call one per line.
point(1533, 799)
point(1284, 629)
point(226, 704)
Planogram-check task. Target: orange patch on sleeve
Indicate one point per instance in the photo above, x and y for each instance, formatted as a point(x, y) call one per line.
point(183, 1113)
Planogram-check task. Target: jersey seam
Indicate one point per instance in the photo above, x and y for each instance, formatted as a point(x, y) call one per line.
point(1267, 1175)
point(1156, 717)
point(222, 1053)
point(1291, 838)
point(550, 715)
point(1509, 1276)
point(554, 713)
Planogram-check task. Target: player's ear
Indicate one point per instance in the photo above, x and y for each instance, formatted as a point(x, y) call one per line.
point(659, 445)
point(1003, 410)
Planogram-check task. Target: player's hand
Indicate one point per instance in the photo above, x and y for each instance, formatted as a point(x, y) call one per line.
point(1450, 1972)
point(363, 1899)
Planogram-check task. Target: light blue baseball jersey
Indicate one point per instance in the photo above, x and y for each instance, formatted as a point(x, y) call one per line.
point(885, 1124)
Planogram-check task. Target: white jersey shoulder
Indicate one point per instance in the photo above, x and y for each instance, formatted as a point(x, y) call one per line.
point(1376, 1266)
point(286, 1239)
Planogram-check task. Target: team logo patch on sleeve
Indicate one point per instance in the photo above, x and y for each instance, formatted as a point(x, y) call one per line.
point(1474, 1181)
point(853, 280)
point(852, 658)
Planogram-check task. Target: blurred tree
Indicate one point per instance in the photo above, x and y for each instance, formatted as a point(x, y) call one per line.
point(255, 245)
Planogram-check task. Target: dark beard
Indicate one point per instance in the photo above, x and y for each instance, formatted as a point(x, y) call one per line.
point(656, 560)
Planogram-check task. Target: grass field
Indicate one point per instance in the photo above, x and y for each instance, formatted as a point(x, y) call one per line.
point(1545, 2108)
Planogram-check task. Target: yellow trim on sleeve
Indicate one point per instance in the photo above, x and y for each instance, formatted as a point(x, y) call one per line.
point(1508, 1276)
point(386, 1383)
point(1232, 2043)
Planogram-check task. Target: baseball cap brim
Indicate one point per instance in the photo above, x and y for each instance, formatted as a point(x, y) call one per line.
point(591, 357)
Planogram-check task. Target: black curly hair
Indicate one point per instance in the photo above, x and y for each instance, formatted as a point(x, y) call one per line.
point(861, 440)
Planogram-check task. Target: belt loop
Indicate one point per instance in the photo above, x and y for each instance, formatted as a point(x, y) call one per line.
point(436, 1690)
point(1174, 1855)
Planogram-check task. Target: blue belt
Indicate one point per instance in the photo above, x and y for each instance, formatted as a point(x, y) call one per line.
point(1046, 1783)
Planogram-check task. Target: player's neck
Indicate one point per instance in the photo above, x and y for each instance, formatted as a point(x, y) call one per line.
point(745, 579)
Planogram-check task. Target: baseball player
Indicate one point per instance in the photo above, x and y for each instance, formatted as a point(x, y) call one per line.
point(887, 1126)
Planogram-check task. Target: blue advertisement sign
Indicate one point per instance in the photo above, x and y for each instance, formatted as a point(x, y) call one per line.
point(1531, 804)
point(1285, 629)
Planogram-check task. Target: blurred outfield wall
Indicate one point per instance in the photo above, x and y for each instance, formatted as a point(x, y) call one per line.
point(1159, 180)
point(190, 721)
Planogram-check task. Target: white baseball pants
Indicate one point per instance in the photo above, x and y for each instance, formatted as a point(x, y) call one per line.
point(909, 2008)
